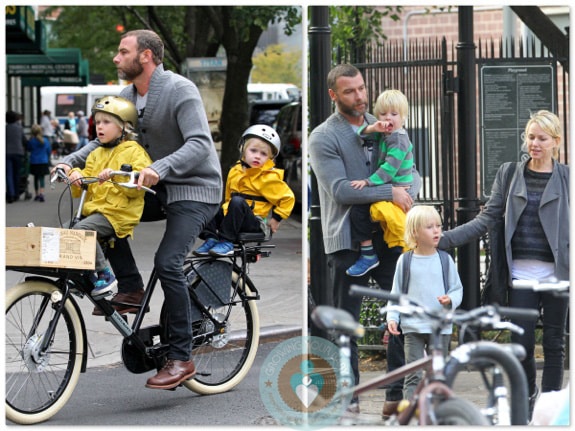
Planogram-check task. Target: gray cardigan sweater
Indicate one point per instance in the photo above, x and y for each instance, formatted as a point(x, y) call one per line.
point(553, 214)
point(337, 157)
point(175, 132)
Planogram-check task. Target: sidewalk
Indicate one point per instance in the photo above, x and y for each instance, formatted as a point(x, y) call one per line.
point(278, 278)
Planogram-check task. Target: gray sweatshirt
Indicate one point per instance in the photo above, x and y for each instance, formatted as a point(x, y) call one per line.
point(174, 131)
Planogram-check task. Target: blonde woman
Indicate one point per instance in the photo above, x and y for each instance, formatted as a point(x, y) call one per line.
point(536, 214)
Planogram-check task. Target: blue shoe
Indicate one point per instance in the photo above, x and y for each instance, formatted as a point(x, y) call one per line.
point(222, 248)
point(204, 249)
point(106, 282)
point(362, 266)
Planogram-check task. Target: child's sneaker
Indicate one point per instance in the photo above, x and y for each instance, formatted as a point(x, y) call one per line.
point(222, 249)
point(362, 266)
point(204, 249)
point(105, 283)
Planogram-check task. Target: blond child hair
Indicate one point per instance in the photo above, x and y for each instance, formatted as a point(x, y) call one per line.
point(417, 217)
point(391, 100)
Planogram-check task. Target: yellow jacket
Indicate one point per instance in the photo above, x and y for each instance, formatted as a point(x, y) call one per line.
point(265, 182)
point(121, 206)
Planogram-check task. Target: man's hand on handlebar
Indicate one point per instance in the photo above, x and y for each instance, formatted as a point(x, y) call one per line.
point(75, 178)
point(148, 178)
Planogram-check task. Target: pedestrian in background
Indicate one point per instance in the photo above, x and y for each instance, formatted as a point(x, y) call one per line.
point(15, 152)
point(81, 129)
point(40, 150)
point(46, 124)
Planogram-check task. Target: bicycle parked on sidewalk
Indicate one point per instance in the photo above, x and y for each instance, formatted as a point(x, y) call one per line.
point(46, 336)
point(435, 402)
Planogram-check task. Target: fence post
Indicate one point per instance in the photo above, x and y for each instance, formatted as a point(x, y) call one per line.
point(468, 255)
point(320, 108)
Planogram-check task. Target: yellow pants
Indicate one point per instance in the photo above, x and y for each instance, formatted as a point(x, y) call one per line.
point(392, 221)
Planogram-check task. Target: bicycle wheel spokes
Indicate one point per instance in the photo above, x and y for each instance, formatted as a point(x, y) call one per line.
point(36, 380)
point(223, 354)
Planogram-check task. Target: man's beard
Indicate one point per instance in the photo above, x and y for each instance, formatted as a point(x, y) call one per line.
point(134, 70)
point(350, 110)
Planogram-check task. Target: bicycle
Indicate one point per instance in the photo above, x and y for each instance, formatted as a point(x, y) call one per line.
point(46, 337)
point(435, 402)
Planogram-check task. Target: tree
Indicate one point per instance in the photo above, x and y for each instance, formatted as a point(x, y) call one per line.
point(187, 31)
point(354, 26)
point(276, 64)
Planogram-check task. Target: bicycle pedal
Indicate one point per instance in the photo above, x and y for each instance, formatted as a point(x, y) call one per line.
point(102, 295)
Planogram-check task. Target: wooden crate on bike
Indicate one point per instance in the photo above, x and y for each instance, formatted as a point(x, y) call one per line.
point(50, 248)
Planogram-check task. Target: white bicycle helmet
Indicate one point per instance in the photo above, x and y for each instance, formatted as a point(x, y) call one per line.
point(264, 132)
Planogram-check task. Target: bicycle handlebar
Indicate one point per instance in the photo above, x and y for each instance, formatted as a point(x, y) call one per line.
point(489, 315)
point(547, 284)
point(131, 183)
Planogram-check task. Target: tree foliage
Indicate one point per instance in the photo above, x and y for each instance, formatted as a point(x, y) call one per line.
point(354, 26)
point(187, 31)
point(275, 64)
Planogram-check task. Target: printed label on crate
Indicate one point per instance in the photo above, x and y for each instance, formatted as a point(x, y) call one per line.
point(50, 249)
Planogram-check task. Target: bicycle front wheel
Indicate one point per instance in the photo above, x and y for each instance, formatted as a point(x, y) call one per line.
point(458, 411)
point(39, 383)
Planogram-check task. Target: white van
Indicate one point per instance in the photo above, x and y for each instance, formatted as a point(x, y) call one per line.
point(62, 99)
point(276, 92)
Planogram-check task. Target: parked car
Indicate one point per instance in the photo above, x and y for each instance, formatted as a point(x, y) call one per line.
point(288, 125)
point(265, 111)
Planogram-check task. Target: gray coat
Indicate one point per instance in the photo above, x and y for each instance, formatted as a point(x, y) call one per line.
point(553, 213)
point(175, 132)
point(337, 157)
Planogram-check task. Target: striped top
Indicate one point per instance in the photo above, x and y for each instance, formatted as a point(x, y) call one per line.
point(396, 162)
point(529, 240)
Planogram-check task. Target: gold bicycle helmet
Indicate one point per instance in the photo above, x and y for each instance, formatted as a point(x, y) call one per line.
point(118, 107)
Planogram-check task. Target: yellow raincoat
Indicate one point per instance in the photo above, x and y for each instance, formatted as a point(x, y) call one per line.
point(265, 182)
point(121, 206)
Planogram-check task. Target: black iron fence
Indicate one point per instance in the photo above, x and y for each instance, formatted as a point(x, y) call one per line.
point(425, 71)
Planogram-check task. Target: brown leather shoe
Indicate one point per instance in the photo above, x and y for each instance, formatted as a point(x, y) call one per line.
point(389, 409)
point(173, 373)
point(131, 299)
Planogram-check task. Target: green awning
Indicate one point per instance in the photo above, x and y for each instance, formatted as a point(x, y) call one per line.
point(81, 80)
point(56, 62)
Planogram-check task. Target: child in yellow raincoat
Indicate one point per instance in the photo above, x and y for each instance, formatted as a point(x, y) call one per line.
point(109, 209)
point(257, 198)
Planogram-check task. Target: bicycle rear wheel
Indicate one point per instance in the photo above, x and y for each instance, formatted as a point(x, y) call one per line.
point(458, 411)
point(38, 384)
point(223, 358)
